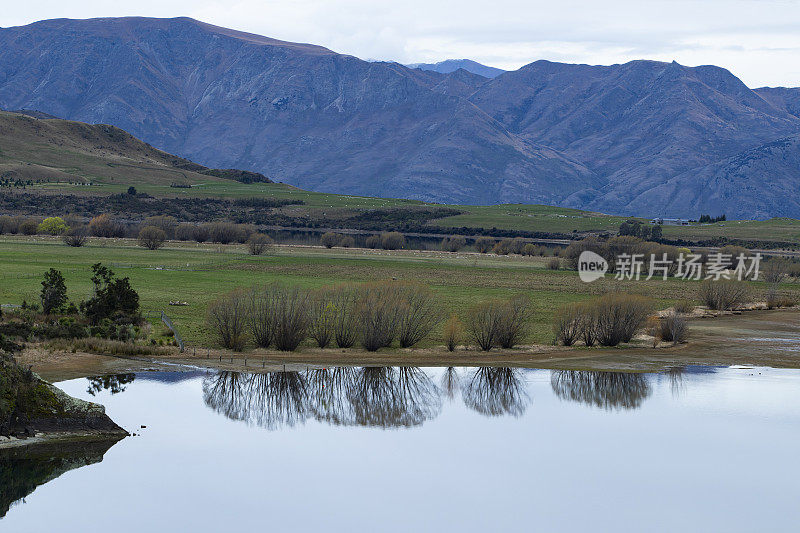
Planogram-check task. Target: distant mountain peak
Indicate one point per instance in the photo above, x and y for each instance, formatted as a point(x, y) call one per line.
point(452, 65)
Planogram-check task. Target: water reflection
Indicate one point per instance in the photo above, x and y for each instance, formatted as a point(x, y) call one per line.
point(114, 384)
point(385, 397)
point(23, 469)
point(272, 400)
point(496, 392)
point(394, 397)
point(608, 390)
point(451, 382)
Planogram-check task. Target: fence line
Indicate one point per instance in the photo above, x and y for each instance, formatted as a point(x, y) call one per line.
point(167, 322)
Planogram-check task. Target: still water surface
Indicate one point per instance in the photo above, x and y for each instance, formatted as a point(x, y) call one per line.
point(698, 449)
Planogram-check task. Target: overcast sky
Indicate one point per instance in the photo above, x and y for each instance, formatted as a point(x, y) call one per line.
point(758, 40)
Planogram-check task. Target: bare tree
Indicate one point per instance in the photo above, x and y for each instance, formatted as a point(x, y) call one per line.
point(258, 243)
point(418, 314)
point(151, 237)
point(322, 320)
point(344, 299)
point(227, 318)
point(291, 318)
point(76, 236)
point(567, 325)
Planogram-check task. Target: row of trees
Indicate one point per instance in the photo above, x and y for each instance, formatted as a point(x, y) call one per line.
point(374, 315)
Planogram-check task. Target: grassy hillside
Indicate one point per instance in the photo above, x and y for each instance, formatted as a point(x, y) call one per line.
point(68, 152)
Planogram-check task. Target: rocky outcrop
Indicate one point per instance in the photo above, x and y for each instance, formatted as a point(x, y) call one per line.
point(33, 411)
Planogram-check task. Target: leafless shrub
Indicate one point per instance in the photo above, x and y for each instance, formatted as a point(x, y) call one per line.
point(568, 323)
point(619, 316)
point(588, 323)
point(373, 241)
point(9, 224)
point(225, 232)
point(291, 318)
point(345, 329)
point(775, 300)
point(185, 232)
point(261, 315)
point(330, 239)
point(653, 328)
point(105, 226)
point(258, 243)
point(378, 313)
point(392, 240)
point(775, 270)
point(164, 222)
point(453, 244)
point(482, 323)
point(484, 244)
point(418, 314)
point(723, 294)
point(76, 236)
point(684, 306)
point(151, 237)
point(502, 247)
point(453, 330)
point(516, 246)
point(202, 233)
point(674, 328)
point(322, 319)
point(511, 326)
point(227, 318)
point(29, 226)
point(554, 263)
point(347, 241)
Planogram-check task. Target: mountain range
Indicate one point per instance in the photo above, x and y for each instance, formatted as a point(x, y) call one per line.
point(644, 138)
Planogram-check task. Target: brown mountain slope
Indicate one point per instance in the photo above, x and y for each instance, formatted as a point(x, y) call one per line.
point(63, 150)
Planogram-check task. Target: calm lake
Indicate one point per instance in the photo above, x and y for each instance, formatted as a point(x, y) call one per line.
point(408, 449)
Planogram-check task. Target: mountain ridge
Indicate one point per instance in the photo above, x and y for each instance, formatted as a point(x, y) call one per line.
point(595, 137)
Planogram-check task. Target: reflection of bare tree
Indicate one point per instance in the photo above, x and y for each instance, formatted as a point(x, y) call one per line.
point(496, 391)
point(268, 400)
point(393, 397)
point(676, 384)
point(279, 399)
point(450, 382)
point(609, 390)
point(329, 392)
point(383, 397)
point(225, 392)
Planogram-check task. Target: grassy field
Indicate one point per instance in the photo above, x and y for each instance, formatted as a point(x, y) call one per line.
point(533, 218)
point(197, 273)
